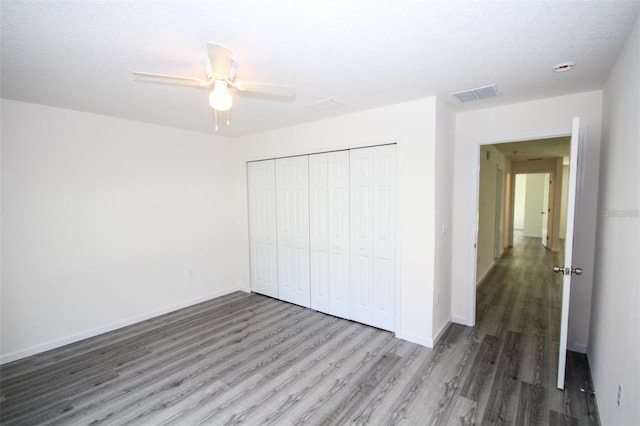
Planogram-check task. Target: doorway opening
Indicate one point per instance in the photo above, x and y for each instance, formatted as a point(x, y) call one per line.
point(521, 224)
point(532, 214)
point(522, 191)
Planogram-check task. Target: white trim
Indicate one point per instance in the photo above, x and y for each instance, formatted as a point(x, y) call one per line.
point(530, 137)
point(429, 343)
point(399, 235)
point(578, 347)
point(484, 274)
point(441, 331)
point(461, 321)
point(23, 353)
point(415, 339)
point(472, 285)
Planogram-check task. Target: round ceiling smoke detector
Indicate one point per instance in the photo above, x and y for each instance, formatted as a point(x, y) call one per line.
point(564, 66)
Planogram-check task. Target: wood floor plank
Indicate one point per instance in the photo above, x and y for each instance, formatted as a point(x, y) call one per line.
point(532, 405)
point(559, 419)
point(579, 397)
point(250, 359)
point(503, 396)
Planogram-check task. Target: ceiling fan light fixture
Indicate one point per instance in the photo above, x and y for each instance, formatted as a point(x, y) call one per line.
point(220, 99)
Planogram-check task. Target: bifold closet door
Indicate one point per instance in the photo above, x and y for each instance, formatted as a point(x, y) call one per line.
point(329, 232)
point(373, 235)
point(261, 179)
point(292, 217)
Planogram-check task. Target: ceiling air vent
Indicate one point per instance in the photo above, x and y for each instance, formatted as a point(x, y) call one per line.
point(476, 94)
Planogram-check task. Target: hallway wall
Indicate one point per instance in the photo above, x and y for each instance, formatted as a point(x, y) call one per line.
point(487, 198)
point(519, 201)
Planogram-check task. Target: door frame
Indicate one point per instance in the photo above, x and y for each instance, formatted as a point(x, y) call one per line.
point(566, 132)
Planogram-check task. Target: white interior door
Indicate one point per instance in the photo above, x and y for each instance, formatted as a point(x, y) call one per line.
point(319, 232)
point(545, 210)
point(567, 270)
point(292, 216)
point(338, 220)
point(329, 232)
point(372, 210)
point(262, 227)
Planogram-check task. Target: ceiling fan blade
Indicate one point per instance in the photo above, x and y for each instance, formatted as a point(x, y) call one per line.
point(220, 59)
point(265, 88)
point(172, 77)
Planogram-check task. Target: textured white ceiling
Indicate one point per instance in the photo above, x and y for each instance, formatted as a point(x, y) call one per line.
point(365, 54)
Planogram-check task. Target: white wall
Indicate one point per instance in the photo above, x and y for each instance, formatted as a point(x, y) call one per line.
point(519, 201)
point(106, 222)
point(524, 121)
point(533, 205)
point(443, 204)
point(413, 127)
point(614, 350)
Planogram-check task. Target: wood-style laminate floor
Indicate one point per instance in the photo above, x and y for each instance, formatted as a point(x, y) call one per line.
point(246, 358)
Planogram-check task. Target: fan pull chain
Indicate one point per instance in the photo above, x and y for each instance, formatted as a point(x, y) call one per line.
point(215, 115)
point(227, 117)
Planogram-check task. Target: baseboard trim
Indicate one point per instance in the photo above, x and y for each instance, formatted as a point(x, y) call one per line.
point(441, 331)
point(578, 347)
point(34, 350)
point(484, 274)
point(415, 339)
point(462, 321)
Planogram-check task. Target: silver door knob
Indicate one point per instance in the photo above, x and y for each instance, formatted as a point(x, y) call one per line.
point(567, 271)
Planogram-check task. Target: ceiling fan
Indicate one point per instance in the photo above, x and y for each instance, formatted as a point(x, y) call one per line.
point(220, 71)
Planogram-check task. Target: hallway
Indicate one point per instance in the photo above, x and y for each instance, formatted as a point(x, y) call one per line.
point(518, 325)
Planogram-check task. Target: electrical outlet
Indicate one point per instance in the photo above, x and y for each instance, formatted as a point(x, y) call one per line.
point(619, 395)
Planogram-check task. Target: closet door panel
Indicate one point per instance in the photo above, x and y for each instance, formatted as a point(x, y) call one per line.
point(292, 201)
point(262, 227)
point(361, 239)
point(373, 181)
point(384, 244)
point(338, 225)
point(319, 232)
